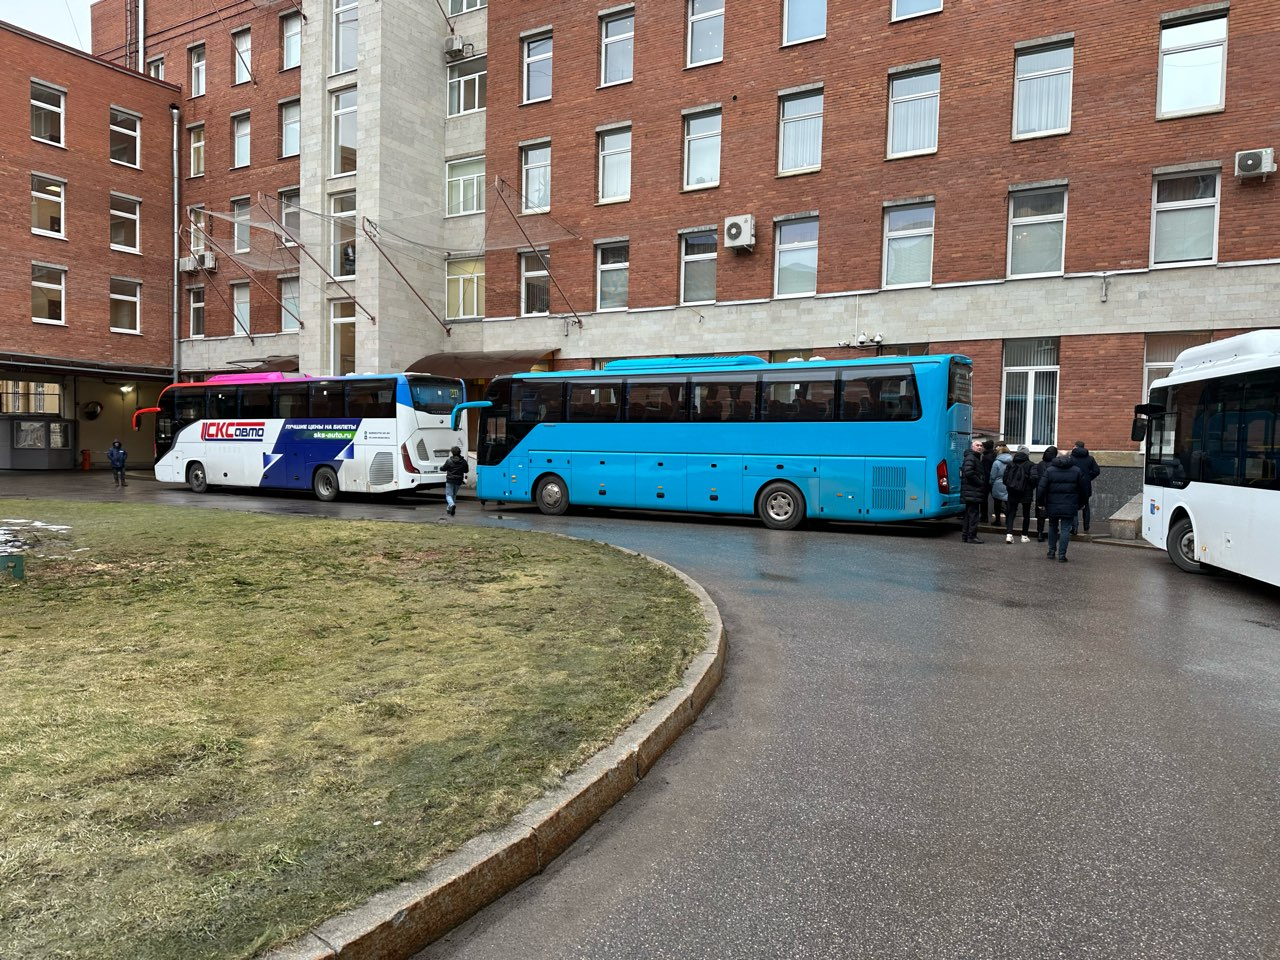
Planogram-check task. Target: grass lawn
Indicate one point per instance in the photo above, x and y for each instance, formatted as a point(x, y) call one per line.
point(219, 729)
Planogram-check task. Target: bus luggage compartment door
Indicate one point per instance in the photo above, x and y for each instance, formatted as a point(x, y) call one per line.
point(515, 481)
point(660, 481)
point(714, 483)
point(895, 489)
point(843, 482)
point(603, 479)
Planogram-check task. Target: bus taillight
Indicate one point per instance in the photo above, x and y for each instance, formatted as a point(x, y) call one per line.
point(408, 461)
point(944, 482)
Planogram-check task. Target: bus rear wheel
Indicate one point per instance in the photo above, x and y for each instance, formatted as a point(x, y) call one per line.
point(325, 484)
point(781, 506)
point(1181, 544)
point(197, 479)
point(552, 497)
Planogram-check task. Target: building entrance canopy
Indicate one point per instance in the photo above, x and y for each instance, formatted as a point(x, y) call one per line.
point(479, 364)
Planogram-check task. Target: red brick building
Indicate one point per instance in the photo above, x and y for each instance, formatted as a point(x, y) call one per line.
point(92, 158)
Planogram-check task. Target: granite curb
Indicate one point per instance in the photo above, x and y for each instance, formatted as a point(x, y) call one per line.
point(397, 923)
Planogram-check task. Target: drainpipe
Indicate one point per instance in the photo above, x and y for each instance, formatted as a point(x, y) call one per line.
point(177, 228)
point(142, 36)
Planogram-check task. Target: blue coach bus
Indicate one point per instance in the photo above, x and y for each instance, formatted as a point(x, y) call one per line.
point(876, 439)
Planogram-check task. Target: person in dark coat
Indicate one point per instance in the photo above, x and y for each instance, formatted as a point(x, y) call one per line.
point(117, 456)
point(988, 461)
point(1062, 489)
point(973, 491)
point(455, 473)
point(1018, 484)
point(1050, 453)
point(1083, 459)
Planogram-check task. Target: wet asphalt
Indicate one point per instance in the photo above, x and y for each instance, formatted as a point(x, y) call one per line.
point(921, 749)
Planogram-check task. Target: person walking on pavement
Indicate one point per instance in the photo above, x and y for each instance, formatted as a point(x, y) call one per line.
point(1083, 460)
point(999, 492)
point(1037, 471)
point(117, 457)
point(1020, 489)
point(1061, 489)
point(973, 491)
point(455, 472)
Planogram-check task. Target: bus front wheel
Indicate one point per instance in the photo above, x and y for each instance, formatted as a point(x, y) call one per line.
point(552, 497)
point(781, 506)
point(325, 484)
point(197, 479)
point(1181, 544)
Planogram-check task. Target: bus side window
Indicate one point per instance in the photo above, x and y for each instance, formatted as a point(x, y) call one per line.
point(255, 401)
point(326, 399)
point(291, 401)
point(222, 403)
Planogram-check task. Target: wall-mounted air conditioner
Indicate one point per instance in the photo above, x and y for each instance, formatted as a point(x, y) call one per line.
point(1256, 163)
point(453, 46)
point(740, 232)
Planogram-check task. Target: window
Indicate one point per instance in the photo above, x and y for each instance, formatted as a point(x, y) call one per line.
point(661, 401)
point(913, 113)
point(195, 216)
point(617, 48)
point(240, 309)
point(344, 131)
point(290, 128)
point(125, 213)
point(290, 217)
point(535, 284)
point(342, 322)
point(48, 199)
point(242, 56)
point(464, 186)
point(290, 290)
point(1042, 91)
point(706, 32)
point(1030, 392)
point(346, 34)
point(1193, 67)
point(126, 298)
point(795, 272)
point(240, 225)
point(155, 68)
point(535, 165)
point(702, 150)
point(908, 245)
point(463, 6)
point(467, 86)
point(47, 105)
point(48, 284)
point(913, 8)
point(343, 209)
point(615, 165)
point(240, 140)
point(290, 41)
point(803, 20)
point(725, 397)
point(464, 294)
point(126, 133)
point(613, 272)
point(537, 69)
point(800, 132)
point(195, 310)
point(30, 396)
point(1162, 351)
point(698, 268)
point(197, 71)
point(1037, 233)
point(879, 394)
point(1184, 219)
point(195, 142)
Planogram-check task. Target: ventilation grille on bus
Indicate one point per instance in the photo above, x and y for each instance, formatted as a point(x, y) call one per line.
point(889, 488)
point(959, 443)
point(382, 469)
point(423, 453)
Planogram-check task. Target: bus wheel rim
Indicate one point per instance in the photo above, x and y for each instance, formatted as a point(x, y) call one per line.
point(552, 494)
point(781, 506)
point(1187, 546)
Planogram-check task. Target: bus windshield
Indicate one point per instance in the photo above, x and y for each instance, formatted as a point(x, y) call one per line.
point(434, 394)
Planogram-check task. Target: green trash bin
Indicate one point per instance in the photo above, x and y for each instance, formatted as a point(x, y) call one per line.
point(12, 564)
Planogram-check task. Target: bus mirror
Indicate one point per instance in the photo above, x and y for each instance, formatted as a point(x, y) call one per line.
point(457, 411)
point(1139, 431)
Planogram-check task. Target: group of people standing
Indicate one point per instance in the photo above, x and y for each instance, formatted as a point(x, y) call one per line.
point(1059, 486)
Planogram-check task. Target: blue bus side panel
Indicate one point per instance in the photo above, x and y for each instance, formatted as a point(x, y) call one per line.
point(714, 484)
point(895, 488)
point(660, 481)
point(843, 495)
point(800, 471)
point(603, 479)
point(515, 481)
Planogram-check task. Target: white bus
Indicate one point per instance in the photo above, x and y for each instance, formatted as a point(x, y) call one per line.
point(363, 433)
point(1211, 494)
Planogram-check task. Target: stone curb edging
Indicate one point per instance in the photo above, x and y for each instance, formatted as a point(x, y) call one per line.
point(397, 923)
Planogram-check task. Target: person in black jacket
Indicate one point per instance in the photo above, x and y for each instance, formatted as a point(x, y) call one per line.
point(973, 490)
point(1018, 484)
point(1061, 490)
point(1082, 459)
point(1050, 453)
point(455, 472)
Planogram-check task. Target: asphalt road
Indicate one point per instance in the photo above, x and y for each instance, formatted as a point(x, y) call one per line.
point(921, 749)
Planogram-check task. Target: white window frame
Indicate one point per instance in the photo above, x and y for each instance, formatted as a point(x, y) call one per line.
point(199, 78)
point(542, 258)
point(61, 200)
point(240, 226)
point(241, 324)
point(241, 134)
point(343, 221)
point(895, 101)
point(290, 199)
point(465, 6)
point(528, 60)
point(119, 205)
point(346, 26)
point(895, 14)
point(155, 68)
point(458, 185)
point(196, 221)
point(460, 86)
point(786, 22)
point(692, 139)
point(1014, 223)
point(241, 56)
point(348, 310)
point(890, 235)
point(1158, 208)
point(706, 16)
point(290, 41)
point(136, 133)
point(781, 246)
point(603, 157)
point(603, 268)
point(464, 288)
point(1031, 371)
point(1019, 80)
point(195, 148)
point(784, 121)
point(286, 108)
point(340, 116)
point(1162, 75)
point(60, 110)
point(687, 258)
point(528, 169)
point(61, 287)
point(290, 319)
point(607, 41)
point(195, 298)
point(136, 300)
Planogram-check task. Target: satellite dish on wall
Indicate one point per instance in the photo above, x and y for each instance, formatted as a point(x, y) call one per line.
point(91, 410)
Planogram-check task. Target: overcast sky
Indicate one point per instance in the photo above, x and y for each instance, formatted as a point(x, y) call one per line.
point(60, 19)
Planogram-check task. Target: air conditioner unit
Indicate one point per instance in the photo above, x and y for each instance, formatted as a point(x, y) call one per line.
point(1256, 163)
point(207, 260)
point(188, 264)
point(740, 232)
point(453, 46)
